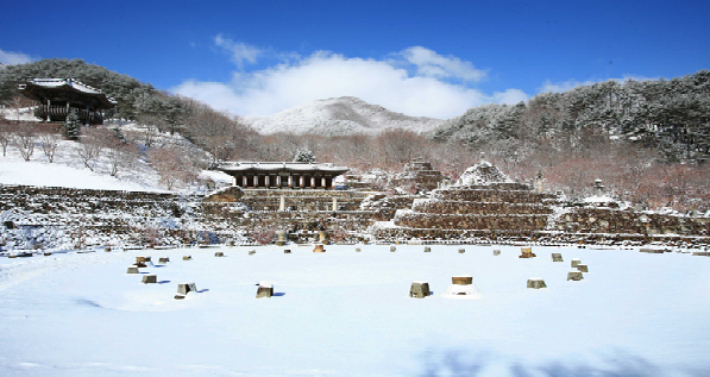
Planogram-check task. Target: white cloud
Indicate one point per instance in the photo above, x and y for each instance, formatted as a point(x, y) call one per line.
point(510, 97)
point(11, 58)
point(429, 63)
point(240, 52)
point(426, 90)
point(563, 86)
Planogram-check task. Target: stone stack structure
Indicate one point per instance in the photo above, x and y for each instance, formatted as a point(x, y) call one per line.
point(421, 176)
point(486, 206)
point(483, 203)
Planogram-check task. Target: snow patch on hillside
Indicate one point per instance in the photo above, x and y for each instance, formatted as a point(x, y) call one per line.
point(67, 169)
point(338, 116)
point(24, 114)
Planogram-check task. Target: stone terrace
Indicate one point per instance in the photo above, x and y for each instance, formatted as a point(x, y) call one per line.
point(486, 206)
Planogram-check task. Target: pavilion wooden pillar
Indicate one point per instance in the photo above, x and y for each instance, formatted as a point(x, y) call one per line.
point(322, 183)
point(267, 181)
point(278, 181)
point(290, 181)
point(244, 181)
point(313, 182)
point(256, 181)
point(301, 181)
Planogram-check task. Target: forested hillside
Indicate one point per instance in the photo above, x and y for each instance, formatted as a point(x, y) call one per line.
point(218, 133)
point(672, 116)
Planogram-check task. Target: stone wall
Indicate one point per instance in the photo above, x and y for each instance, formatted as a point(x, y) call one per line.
point(495, 211)
point(391, 235)
point(49, 217)
point(603, 220)
point(302, 200)
point(489, 222)
point(480, 208)
point(422, 175)
point(491, 194)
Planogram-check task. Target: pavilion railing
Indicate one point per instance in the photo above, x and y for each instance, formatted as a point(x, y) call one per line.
point(60, 113)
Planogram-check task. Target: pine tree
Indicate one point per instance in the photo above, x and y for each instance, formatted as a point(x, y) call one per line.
point(72, 128)
point(304, 156)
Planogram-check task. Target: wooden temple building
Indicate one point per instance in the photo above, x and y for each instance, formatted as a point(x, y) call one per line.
point(282, 175)
point(60, 97)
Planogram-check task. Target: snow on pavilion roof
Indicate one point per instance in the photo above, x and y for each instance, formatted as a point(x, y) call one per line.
point(66, 84)
point(273, 167)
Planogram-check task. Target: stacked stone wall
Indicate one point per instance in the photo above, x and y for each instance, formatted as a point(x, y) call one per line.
point(477, 222)
point(390, 235)
point(422, 175)
point(491, 195)
point(480, 208)
point(49, 215)
point(597, 220)
point(303, 203)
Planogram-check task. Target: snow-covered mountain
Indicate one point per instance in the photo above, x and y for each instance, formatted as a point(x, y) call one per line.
point(338, 116)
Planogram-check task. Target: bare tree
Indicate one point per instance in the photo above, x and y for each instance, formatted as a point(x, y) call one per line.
point(25, 140)
point(121, 156)
point(18, 102)
point(5, 135)
point(218, 133)
point(151, 128)
point(173, 166)
point(49, 142)
point(399, 146)
point(93, 141)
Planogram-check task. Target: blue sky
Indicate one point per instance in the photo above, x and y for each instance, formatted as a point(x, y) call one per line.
point(433, 58)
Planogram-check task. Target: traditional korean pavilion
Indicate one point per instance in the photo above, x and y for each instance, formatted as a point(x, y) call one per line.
point(60, 97)
point(282, 175)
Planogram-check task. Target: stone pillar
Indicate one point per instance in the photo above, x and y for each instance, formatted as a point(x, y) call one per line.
point(419, 289)
point(265, 290)
point(335, 204)
point(281, 237)
point(282, 205)
point(536, 283)
point(538, 183)
point(599, 186)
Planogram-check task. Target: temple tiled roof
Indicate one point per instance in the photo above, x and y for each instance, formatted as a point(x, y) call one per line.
point(296, 167)
point(71, 85)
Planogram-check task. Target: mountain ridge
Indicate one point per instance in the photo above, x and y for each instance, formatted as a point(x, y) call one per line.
point(338, 116)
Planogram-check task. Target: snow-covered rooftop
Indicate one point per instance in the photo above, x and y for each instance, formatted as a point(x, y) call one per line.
point(229, 167)
point(71, 84)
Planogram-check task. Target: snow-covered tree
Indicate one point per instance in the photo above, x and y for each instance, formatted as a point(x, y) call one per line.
point(305, 156)
point(72, 127)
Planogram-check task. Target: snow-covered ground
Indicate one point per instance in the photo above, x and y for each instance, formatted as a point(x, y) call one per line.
point(344, 313)
point(68, 170)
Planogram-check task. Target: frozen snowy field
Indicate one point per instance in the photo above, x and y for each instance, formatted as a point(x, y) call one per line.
point(344, 313)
